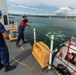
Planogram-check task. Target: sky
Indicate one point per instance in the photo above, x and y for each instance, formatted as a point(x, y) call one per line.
point(42, 7)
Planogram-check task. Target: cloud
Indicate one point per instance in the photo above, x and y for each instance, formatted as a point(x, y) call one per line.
point(22, 12)
point(16, 12)
point(22, 6)
point(58, 3)
point(67, 7)
point(25, 2)
point(25, 7)
point(66, 11)
point(13, 5)
point(35, 8)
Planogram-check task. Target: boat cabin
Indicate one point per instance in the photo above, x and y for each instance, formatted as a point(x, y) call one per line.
point(4, 9)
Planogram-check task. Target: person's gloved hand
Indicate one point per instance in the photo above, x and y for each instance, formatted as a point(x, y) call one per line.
point(29, 26)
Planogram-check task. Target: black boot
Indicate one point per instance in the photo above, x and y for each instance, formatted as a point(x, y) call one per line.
point(18, 45)
point(8, 68)
point(1, 66)
point(25, 41)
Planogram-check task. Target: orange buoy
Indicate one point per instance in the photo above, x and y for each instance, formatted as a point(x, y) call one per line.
point(70, 56)
point(75, 59)
point(61, 53)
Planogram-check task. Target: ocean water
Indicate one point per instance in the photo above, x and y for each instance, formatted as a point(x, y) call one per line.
point(62, 29)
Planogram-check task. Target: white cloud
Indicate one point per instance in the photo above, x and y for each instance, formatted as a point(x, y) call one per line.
point(35, 9)
point(16, 12)
point(22, 12)
point(66, 11)
point(62, 4)
point(58, 3)
point(22, 6)
point(26, 2)
point(13, 5)
point(25, 7)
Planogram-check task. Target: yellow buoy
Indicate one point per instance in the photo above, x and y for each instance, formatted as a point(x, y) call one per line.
point(41, 52)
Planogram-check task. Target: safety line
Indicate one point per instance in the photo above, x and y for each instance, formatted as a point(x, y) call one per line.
point(24, 64)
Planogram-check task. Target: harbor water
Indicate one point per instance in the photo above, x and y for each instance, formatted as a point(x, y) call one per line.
point(62, 29)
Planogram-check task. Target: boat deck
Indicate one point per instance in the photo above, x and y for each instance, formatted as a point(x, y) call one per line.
point(24, 55)
point(62, 60)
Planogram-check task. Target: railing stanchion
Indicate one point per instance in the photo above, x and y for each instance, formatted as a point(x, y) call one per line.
point(34, 35)
point(51, 49)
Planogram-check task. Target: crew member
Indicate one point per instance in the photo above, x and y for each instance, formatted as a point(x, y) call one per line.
point(23, 24)
point(4, 54)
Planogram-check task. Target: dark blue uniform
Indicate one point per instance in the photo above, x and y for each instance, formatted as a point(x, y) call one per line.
point(4, 54)
point(21, 32)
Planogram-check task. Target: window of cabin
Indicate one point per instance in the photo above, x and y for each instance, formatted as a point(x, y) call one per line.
point(5, 19)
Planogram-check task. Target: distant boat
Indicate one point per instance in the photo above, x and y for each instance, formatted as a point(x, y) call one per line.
point(49, 17)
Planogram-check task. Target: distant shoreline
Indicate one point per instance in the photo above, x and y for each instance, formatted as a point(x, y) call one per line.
point(72, 18)
point(46, 16)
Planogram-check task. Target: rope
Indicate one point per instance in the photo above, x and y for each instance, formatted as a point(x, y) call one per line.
point(24, 64)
